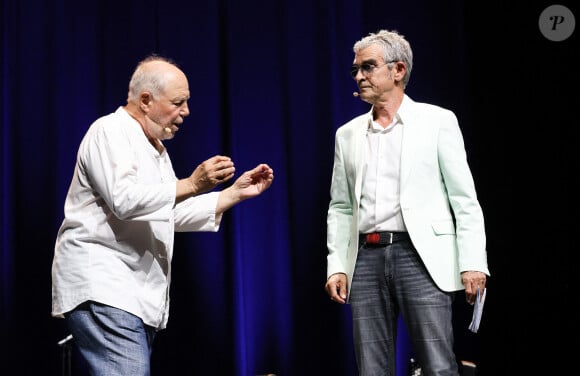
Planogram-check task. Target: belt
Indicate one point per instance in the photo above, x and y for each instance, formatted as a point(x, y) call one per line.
point(377, 239)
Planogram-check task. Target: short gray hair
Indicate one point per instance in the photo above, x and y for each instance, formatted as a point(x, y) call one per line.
point(144, 79)
point(395, 48)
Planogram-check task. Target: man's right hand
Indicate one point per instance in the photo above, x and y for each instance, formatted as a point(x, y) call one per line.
point(211, 173)
point(336, 287)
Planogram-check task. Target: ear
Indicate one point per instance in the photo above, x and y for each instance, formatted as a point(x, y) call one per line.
point(145, 101)
point(400, 70)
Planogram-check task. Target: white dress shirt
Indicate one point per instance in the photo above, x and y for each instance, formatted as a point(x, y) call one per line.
point(380, 209)
point(115, 243)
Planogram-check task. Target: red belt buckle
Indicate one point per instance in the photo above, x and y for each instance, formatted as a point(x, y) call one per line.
point(373, 238)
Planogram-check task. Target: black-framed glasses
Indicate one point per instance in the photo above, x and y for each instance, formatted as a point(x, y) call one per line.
point(366, 68)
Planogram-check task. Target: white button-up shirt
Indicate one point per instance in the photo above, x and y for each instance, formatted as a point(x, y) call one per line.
point(380, 208)
point(115, 243)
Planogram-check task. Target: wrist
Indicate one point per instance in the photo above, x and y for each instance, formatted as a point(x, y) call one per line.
point(191, 186)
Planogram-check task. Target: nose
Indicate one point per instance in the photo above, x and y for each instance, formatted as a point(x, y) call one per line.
point(184, 110)
point(356, 75)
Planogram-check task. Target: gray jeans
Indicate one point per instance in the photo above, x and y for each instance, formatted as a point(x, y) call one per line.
point(392, 280)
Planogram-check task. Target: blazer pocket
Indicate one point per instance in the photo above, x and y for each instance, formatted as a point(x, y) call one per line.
point(444, 227)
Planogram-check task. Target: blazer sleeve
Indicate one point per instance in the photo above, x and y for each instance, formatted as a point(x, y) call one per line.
point(461, 192)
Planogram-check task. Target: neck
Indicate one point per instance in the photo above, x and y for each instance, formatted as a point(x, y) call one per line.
point(384, 111)
point(139, 118)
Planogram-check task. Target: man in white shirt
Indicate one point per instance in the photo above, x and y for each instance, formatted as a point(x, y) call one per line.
point(111, 270)
point(405, 228)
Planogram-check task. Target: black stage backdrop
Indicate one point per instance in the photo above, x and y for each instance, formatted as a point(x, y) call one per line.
point(270, 83)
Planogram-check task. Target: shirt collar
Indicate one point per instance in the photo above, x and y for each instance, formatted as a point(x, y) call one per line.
point(402, 113)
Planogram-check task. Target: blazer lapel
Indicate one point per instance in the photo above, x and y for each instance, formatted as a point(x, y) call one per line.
point(361, 156)
point(409, 143)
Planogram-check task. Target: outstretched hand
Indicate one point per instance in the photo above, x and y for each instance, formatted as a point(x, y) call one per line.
point(253, 182)
point(250, 184)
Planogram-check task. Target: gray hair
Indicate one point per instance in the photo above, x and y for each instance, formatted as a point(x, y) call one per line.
point(395, 48)
point(146, 79)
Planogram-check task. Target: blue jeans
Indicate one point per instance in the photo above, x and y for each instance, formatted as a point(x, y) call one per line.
point(392, 280)
point(112, 341)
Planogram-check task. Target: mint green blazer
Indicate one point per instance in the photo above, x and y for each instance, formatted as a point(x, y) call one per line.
point(438, 199)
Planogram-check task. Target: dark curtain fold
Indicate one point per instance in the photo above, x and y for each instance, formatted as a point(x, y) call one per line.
point(269, 83)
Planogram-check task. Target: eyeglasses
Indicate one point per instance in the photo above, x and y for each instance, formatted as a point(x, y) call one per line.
point(366, 68)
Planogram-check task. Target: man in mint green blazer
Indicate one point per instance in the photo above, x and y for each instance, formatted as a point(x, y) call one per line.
point(404, 229)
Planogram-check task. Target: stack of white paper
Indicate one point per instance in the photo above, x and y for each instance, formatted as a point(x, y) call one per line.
point(477, 310)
